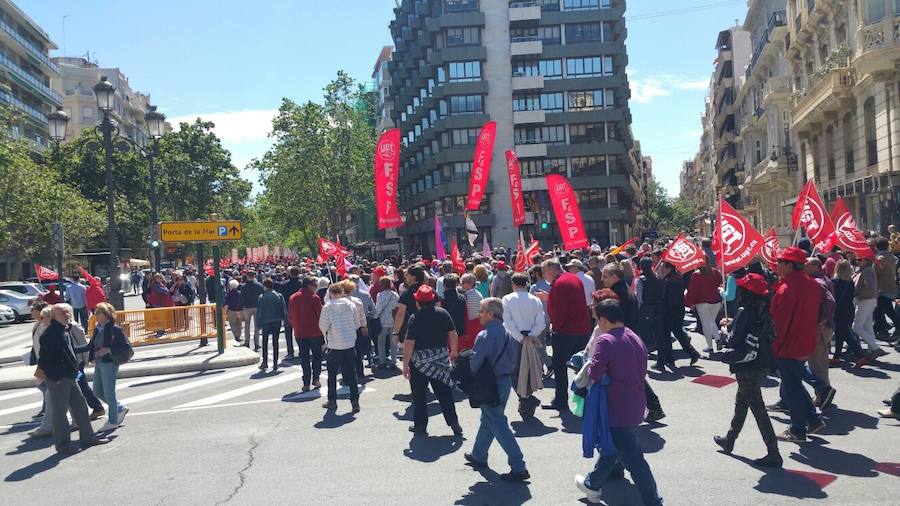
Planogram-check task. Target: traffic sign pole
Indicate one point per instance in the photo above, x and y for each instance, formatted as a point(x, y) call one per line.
point(220, 330)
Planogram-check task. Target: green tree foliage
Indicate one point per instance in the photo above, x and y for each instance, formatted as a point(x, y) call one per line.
point(32, 196)
point(320, 164)
point(669, 216)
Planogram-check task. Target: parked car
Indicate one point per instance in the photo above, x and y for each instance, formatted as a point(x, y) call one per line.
point(20, 304)
point(6, 315)
point(46, 284)
point(23, 287)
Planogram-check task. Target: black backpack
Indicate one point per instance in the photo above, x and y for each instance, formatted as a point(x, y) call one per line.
point(482, 386)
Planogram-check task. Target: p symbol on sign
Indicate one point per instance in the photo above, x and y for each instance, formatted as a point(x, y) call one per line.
point(222, 231)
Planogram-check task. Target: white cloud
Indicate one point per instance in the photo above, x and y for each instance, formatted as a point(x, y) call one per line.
point(235, 127)
point(651, 87)
point(696, 84)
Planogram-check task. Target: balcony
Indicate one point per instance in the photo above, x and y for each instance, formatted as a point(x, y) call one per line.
point(531, 150)
point(524, 10)
point(775, 89)
point(830, 93)
point(877, 45)
point(35, 52)
point(32, 112)
point(527, 83)
point(29, 80)
point(526, 117)
point(525, 47)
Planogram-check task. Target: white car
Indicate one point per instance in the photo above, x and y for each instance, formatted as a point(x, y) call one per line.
point(20, 304)
point(23, 287)
point(7, 315)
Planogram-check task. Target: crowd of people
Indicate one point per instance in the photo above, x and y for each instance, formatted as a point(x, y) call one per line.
point(484, 329)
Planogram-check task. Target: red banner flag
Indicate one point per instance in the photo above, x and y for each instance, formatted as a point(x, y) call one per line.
point(684, 255)
point(328, 249)
point(45, 274)
point(770, 249)
point(515, 188)
point(459, 266)
point(738, 241)
point(520, 264)
point(531, 251)
point(387, 171)
point(341, 263)
point(811, 214)
point(619, 249)
point(481, 165)
point(568, 216)
point(846, 234)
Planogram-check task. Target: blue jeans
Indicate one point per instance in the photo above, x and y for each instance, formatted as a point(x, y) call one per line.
point(494, 425)
point(803, 413)
point(629, 454)
point(105, 387)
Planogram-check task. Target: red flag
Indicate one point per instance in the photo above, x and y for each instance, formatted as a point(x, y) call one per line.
point(846, 234)
point(92, 281)
point(459, 266)
point(811, 214)
point(344, 251)
point(568, 216)
point(619, 249)
point(515, 188)
point(520, 264)
point(319, 259)
point(531, 251)
point(341, 262)
point(94, 294)
point(328, 249)
point(45, 274)
point(481, 165)
point(387, 170)
point(770, 249)
point(684, 255)
point(738, 242)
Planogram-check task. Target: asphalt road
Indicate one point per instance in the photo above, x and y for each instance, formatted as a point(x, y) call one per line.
point(240, 437)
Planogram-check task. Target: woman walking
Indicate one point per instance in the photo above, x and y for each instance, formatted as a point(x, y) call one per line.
point(106, 332)
point(650, 292)
point(866, 293)
point(234, 309)
point(844, 292)
point(385, 306)
point(703, 295)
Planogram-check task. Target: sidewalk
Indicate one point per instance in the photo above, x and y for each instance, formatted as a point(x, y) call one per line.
point(150, 361)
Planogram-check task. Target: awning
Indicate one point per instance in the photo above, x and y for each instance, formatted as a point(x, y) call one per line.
point(137, 262)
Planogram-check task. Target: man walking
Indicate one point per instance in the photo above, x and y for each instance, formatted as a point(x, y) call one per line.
point(250, 293)
point(523, 318)
point(339, 323)
point(886, 272)
point(304, 310)
point(818, 362)
point(76, 293)
point(287, 289)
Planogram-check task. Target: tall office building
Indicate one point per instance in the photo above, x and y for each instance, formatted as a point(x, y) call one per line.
point(25, 74)
point(551, 73)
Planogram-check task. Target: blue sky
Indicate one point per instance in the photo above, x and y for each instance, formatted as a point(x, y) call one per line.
point(232, 61)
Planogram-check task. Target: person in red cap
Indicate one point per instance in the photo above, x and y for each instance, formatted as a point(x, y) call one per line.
point(750, 336)
point(795, 311)
point(426, 360)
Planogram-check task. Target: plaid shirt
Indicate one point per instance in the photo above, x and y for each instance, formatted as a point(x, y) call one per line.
point(338, 322)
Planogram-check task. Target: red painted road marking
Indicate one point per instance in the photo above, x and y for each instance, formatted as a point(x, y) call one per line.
point(714, 381)
point(888, 467)
point(821, 480)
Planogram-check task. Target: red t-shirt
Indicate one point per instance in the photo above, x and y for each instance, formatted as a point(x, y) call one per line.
point(568, 312)
point(795, 311)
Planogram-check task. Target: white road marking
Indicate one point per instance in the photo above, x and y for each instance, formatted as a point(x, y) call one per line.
point(187, 386)
point(292, 375)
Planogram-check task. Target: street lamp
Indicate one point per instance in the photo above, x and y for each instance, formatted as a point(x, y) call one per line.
point(58, 122)
point(105, 92)
point(156, 122)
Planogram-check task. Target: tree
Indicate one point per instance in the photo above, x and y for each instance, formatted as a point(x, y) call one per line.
point(667, 215)
point(659, 204)
point(32, 197)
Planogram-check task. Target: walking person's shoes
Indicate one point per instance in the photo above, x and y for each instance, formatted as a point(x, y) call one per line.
point(473, 462)
point(557, 406)
point(317, 384)
point(39, 432)
point(354, 406)
point(862, 362)
point(726, 444)
point(769, 461)
point(457, 430)
point(827, 399)
point(305, 388)
point(659, 366)
point(68, 449)
point(331, 405)
point(122, 413)
point(418, 429)
point(593, 496)
point(815, 427)
point(878, 353)
point(96, 441)
point(263, 366)
point(39, 415)
point(97, 413)
point(108, 427)
point(887, 413)
point(790, 437)
point(835, 362)
point(778, 407)
point(654, 416)
point(695, 357)
point(516, 476)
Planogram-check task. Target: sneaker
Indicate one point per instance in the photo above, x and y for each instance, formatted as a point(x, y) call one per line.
point(515, 476)
point(122, 413)
point(305, 388)
point(659, 366)
point(354, 406)
point(654, 416)
point(39, 432)
point(317, 384)
point(475, 463)
point(778, 407)
point(726, 444)
point(790, 437)
point(769, 461)
point(815, 427)
point(878, 353)
point(708, 351)
point(418, 429)
point(108, 427)
point(330, 405)
point(97, 441)
point(97, 413)
point(263, 366)
point(289, 356)
point(883, 413)
point(695, 357)
point(827, 398)
point(862, 362)
point(593, 496)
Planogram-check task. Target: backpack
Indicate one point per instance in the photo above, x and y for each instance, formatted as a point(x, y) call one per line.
point(482, 386)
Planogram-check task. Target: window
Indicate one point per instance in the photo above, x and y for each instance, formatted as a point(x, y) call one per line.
point(460, 5)
point(549, 34)
point(464, 136)
point(540, 167)
point(466, 104)
point(87, 113)
point(587, 133)
point(596, 198)
point(552, 102)
point(586, 100)
point(464, 71)
point(554, 134)
point(575, 5)
point(441, 75)
point(871, 143)
point(461, 171)
point(550, 69)
point(525, 68)
point(549, 5)
point(589, 166)
point(875, 11)
point(584, 67)
point(463, 36)
point(525, 34)
point(583, 32)
point(608, 69)
point(849, 157)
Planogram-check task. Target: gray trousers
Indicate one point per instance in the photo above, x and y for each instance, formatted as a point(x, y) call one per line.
point(65, 396)
point(249, 314)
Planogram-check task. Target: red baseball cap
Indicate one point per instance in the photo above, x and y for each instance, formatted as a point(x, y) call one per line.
point(793, 254)
point(501, 265)
point(754, 283)
point(424, 294)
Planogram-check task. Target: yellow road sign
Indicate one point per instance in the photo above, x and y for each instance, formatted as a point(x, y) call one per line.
point(200, 231)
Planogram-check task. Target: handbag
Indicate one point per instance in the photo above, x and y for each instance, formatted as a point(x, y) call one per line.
point(120, 349)
point(483, 388)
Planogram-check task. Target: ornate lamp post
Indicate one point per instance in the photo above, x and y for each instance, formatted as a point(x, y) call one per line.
point(156, 124)
point(106, 93)
point(58, 122)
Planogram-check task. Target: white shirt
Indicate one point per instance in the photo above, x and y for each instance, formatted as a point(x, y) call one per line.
point(523, 312)
point(588, 284)
point(338, 322)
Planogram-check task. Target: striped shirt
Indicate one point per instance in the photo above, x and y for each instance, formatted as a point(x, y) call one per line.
point(338, 322)
point(473, 303)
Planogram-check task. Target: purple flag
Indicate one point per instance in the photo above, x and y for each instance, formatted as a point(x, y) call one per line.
point(485, 249)
point(439, 240)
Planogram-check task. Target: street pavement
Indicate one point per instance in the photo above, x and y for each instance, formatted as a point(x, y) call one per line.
point(241, 437)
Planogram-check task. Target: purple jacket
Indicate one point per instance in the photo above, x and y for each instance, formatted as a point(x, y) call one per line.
point(621, 355)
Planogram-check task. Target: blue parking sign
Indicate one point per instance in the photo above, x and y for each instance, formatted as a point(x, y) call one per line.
point(222, 231)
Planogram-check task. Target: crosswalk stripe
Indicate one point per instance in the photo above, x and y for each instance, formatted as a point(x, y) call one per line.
point(293, 375)
point(187, 386)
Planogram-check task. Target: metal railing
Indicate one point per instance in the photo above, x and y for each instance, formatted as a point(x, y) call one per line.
point(22, 106)
point(30, 79)
point(524, 38)
point(31, 48)
point(166, 325)
point(523, 3)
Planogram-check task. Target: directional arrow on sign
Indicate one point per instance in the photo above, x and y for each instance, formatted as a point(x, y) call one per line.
point(234, 230)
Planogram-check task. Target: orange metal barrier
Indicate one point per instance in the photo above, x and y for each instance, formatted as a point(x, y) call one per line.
point(168, 324)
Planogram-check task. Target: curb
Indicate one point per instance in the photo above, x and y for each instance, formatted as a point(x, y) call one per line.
point(10, 360)
point(223, 361)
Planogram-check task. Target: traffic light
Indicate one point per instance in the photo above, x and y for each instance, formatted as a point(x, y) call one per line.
point(544, 226)
point(154, 244)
